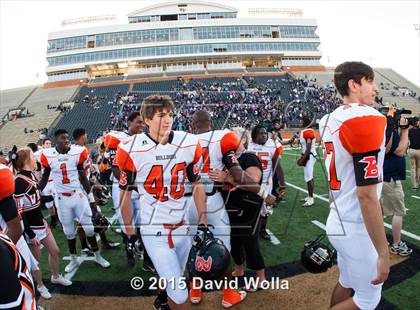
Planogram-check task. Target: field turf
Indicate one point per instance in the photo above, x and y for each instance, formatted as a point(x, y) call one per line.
point(292, 226)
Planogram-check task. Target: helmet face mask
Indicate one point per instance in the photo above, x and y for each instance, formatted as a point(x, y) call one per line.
point(317, 257)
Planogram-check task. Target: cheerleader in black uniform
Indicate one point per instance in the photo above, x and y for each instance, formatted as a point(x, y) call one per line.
point(28, 201)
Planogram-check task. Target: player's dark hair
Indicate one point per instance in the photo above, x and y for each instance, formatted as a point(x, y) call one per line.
point(78, 132)
point(60, 132)
point(155, 103)
point(45, 140)
point(33, 146)
point(351, 70)
point(254, 131)
point(132, 116)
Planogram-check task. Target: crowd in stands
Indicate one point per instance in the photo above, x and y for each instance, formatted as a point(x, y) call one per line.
point(239, 102)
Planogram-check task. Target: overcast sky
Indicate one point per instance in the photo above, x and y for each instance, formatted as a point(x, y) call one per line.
point(380, 33)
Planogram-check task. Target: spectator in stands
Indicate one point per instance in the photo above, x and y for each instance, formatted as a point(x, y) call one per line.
point(392, 198)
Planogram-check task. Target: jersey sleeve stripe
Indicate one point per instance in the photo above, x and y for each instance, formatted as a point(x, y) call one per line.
point(44, 161)
point(229, 142)
point(197, 154)
point(111, 142)
point(124, 161)
point(7, 182)
point(362, 134)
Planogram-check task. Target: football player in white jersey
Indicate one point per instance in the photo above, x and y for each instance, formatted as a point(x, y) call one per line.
point(353, 139)
point(80, 138)
point(135, 125)
point(307, 141)
point(268, 152)
point(219, 147)
point(67, 164)
point(48, 193)
point(158, 162)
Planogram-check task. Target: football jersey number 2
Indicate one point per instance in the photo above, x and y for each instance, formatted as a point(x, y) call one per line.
point(154, 182)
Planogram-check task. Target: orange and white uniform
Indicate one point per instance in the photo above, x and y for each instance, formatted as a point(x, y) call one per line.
point(308, 136)
point(18, 290)
point(353, 138)
point(218, 147)
point(159, 171)
point(267, 154)
point(70, 200)
point(111, 142)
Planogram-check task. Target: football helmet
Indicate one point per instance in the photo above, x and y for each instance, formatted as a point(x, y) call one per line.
point(101, 195)
point(100, 223)
point(317, 257)
point(208, 258)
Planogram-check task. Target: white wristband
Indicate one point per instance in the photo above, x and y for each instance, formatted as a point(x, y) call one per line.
point(263, 193)
point(91, 197)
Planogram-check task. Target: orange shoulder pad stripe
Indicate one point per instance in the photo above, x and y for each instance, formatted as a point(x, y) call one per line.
point(363, 134)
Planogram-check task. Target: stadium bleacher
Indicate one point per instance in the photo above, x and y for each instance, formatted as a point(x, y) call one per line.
point(13, 98)
point(92, 109)
point(13, 132)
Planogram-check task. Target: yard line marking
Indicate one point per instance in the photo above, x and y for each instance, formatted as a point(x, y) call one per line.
point(273, 239)
point(417, 197)
point(305, 191)
point(319, 224)
point(404, 232)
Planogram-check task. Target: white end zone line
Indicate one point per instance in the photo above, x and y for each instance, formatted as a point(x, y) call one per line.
point(404, 232)
point(274, 239)
point(417, 197)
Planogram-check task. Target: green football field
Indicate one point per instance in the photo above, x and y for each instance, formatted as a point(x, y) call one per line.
point(292, 225)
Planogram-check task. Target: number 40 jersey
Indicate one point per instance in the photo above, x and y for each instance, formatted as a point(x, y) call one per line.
point(159, 172)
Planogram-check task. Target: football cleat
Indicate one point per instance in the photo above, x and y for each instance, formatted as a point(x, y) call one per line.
point(74, 263)
point(309, 202)
point(101, 261)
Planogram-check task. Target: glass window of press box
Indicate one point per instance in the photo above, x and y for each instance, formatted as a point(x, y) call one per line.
point(180, 50)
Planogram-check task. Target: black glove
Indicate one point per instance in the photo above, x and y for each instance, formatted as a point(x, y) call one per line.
point(131, 244)
point(93, 208)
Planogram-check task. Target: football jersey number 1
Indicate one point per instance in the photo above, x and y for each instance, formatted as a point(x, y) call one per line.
point(63, 169)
